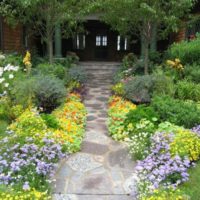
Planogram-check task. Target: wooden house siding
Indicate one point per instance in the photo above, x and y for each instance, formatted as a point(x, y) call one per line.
point(12, 38)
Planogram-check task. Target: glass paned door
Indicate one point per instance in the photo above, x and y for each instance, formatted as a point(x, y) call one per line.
point(101, 47)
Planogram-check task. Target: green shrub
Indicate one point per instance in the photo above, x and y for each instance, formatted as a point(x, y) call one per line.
point(163, 85)
point(72, 58)
point(168, 127)
point(3, 127)
point(129, 61)
point(186, 90)
point(8, 111)
point(186, 51)
point(14, 59)
point(23, 91)
point(141, 112)
point(50, 120)
point(155, 57)
point(57, 70)
point(118, 76)
point(77, 74)
point(49, 92)
point(192, 72)
point(176, 111)
point(139, 89)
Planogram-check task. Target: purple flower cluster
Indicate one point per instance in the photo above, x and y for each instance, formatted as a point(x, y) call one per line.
point(196, 130)
point(20, 162)
point(159, 168)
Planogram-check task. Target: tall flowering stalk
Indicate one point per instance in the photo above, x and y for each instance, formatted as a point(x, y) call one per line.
point(27, 62)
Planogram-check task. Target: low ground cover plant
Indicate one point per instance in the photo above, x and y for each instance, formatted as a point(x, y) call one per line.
point(118, 109)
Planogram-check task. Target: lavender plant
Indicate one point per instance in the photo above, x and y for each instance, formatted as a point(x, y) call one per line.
point(28, 165)
point(159, 169)
point(196, 129)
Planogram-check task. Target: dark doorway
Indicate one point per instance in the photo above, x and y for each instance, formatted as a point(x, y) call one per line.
point(101, 47)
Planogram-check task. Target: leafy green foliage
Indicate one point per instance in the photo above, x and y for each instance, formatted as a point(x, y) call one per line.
point(13, 59)
point(142, 112)
point(129, 60)
point(3, 127)
point(8, 111)
point(191, 187)
point(50, 120)
point(192, 72)
point(139, 89)
point(176, 111)
point(186, 90)
point(140, 16)
point(47, 15)
point(163, 85)
point(77, 74)
point(56, 70)
point(49, 92)
point(186, 51)
point(23, 91)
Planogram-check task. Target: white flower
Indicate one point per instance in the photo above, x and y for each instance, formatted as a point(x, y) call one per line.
point(2, 80)
point(11, 76)
point(1, 71)
point(6, 84)
point(2, 57)
point(10, 67)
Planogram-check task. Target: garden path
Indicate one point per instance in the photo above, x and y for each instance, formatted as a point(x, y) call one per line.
point(102, 169)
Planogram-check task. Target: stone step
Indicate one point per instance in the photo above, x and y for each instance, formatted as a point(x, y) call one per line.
point(91, 197)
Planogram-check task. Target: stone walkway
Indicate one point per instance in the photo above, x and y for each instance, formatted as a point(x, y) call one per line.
point(102, 169)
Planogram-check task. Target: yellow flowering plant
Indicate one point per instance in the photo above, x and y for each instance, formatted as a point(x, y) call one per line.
point(175, 64)
point(31, 194)
point(166, 194)
point(118, 109)
point(186, 143)
point(118, 89)
point(72, 118)
point(27, 61)
point(29, 124)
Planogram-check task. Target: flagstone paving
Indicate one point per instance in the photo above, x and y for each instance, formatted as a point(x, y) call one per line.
point(102, 170)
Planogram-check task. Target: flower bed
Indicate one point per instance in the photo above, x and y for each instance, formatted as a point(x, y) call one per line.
point(164, 151)
point(32, 148)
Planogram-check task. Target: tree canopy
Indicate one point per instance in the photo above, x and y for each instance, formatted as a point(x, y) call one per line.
point(131, 17)
point(44, 15)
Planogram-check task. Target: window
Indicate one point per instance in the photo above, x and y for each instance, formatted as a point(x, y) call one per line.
point(104, 41)
point(122, 43)
point(98, 40)
point(79, 42)
point(101, 41)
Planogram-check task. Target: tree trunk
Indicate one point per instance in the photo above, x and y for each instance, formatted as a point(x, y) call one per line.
point(153, 45)
point(142, 41)
point(146, 58)
point(50, 48)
